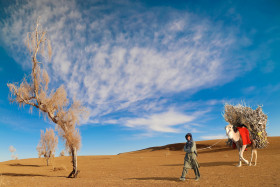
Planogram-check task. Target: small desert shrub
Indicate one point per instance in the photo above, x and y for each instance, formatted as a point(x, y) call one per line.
point(47, 144)
point(62, 153)
point(13, 150)
point(59, 168)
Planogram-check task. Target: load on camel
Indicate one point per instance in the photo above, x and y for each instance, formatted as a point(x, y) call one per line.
point(247, 127)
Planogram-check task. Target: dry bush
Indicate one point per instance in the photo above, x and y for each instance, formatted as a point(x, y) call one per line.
point(52, 103)
point(13, 150)
point(255, 120)
point(62, 153)
point(47, 144)
point(59, 168)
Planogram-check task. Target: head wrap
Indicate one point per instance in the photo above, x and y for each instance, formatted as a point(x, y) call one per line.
point(189, 143)
point(189, 134)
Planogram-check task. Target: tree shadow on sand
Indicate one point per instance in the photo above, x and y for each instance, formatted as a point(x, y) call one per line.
point(22, 175)
point(156, 178)
point(27, 165)
point(27, 175)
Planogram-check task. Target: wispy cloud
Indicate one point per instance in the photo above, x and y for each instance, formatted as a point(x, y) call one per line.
point(170, 121)
point(272, 88)
point(269, 67)
point(131, 60)
point(211, 137)
point(193, 128)
point(249, 89)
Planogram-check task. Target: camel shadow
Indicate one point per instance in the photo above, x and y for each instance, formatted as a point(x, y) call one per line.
point(213, 164)
point(208, 164)
point(156, 178)
point(26, 165)
point(174, 165)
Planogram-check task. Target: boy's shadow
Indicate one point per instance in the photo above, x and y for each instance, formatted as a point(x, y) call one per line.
point(206, 164)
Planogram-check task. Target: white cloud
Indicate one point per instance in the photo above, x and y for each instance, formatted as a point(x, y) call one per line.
point(193, 128)
point(177, 25)
point(269, 67)
point(162, 122)
point(249, 89)
point(215, 102)
point(271, 88)
point(113, 64)
point(212, 137)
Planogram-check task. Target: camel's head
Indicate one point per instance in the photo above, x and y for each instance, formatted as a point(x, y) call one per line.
point(229, 130)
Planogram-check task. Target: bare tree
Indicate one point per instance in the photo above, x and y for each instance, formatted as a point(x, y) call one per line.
point(13, 150)
point(54, 103)
point(47, 144)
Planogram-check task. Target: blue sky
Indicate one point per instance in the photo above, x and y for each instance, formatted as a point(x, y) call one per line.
point(148, 71)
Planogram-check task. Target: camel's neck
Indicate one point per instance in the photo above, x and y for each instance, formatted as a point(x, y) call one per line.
point(235, 136)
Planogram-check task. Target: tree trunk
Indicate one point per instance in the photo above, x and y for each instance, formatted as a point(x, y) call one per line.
point(75, 171)
point(47, 161)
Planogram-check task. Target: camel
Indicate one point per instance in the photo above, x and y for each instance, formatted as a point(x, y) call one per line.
point(235, 136)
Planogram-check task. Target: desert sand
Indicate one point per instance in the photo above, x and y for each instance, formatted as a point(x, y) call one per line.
point(158, 166)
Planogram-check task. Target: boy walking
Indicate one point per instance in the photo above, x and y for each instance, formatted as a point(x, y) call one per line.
point(190, 161)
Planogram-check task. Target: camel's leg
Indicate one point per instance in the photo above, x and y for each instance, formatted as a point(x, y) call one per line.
point(241, 154)
point(252, 155)
point(256, 156)
point(239, 149)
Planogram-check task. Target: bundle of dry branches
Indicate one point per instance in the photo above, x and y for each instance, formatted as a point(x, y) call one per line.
point(255, 121)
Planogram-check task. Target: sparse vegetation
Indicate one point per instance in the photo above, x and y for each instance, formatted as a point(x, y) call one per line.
point(54, 104)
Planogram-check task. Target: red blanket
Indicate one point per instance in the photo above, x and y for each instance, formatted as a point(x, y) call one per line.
point(244, 133)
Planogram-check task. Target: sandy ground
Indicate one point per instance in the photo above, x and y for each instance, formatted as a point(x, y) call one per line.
point(160, 166)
